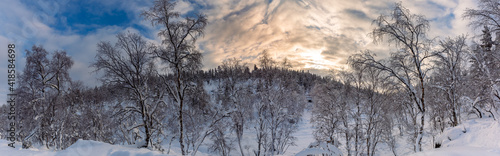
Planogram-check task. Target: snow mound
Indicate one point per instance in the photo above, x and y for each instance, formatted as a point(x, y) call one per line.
point(82, 148)
point(473, 137)
point(94, 148)
point(460, 151)
point(474, 133)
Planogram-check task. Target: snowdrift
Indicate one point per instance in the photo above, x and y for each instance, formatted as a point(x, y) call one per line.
point(319, 149)
point(82, 148)
point(473, 137)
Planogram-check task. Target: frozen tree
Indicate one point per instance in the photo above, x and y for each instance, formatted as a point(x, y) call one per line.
point(487, 93)
point(374, 89)
point(278, 108)
point(448, 75)
point(408, 64)
point(487, 15)
point(330, 114)
point(324, 119)
point(485, 56)
point(236, 94)
point(128, 64)
point(177, 51)
point(92, 110)
point(43, 84)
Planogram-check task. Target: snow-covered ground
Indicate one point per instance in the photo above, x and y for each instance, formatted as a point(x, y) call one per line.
point(80, 148)
point(479, 137)
point(473, 137)
point(304, 135)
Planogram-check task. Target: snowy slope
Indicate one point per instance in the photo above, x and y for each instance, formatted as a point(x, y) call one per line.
point(304, 135)
point(473, 137)
point(460, 151)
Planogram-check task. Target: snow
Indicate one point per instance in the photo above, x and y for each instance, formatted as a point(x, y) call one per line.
point(460, 151)
point(473, 137)
point(474, 133)
point(322, 148)
point(304, 135)
point(81, 148)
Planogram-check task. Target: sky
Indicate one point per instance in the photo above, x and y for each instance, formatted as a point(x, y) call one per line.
point(315, 35)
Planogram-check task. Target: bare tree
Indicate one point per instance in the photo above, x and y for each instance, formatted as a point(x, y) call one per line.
point(177, 50)
point(128, 64)
point(408, 64)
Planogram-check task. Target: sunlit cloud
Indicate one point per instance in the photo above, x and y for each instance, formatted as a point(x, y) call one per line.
point(316, 34)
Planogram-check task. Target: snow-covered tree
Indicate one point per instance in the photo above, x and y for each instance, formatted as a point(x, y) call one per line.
point(448, 78)
point(278, 109)
point(485, 57)
point(408, 64)
point(129, 65)
point(43, 110)
point(177, 51)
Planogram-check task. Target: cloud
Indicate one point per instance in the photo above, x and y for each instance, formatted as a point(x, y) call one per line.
point(28, 24)
point(316, 35)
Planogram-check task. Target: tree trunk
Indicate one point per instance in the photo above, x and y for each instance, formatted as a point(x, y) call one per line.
point(146, 124)
point(181, 131)
point(420, 132)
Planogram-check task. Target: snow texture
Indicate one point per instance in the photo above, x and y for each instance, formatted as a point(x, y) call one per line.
point(473, 137)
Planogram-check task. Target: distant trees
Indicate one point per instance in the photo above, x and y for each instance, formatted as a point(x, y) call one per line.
point(487, 14)
point(235, 94)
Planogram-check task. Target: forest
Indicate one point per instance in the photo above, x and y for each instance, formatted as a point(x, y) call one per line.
point(156, 96)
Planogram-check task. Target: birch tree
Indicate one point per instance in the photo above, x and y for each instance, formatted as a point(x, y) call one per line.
point(177, 51)
point(44, 81)
point(408, 64)
point(128, 64)
point(448, 79)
